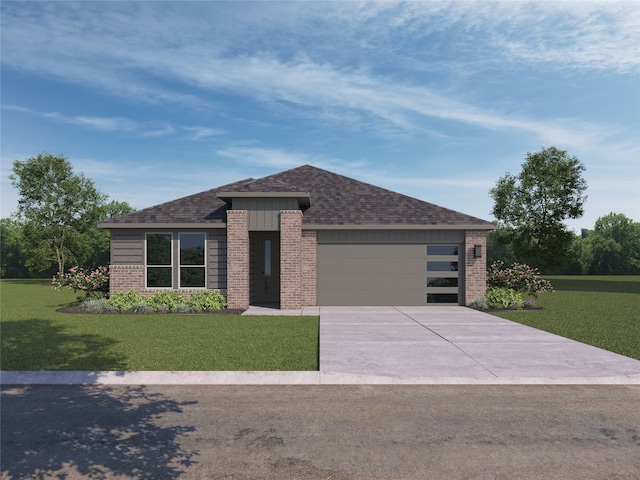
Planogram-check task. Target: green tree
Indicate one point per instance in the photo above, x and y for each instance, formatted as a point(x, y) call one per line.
point(534, 205)
point(101, 238)
point(498, 248)
point(615, 246)
point(57, 209)
point(12, 260)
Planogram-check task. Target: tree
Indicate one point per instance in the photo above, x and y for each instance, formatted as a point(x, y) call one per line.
point(534, 205)
point(57, 209)
point(12, 260)
point(101, 238)
point(615, 246)
point(498, 249)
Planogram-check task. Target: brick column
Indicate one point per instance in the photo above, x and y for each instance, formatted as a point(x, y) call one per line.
point(475, 269)
point(290, 259)
point(309, 268)
point(238, 259)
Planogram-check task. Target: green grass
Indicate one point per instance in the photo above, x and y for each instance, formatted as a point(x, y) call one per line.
point(36, 337)
point(603, 311)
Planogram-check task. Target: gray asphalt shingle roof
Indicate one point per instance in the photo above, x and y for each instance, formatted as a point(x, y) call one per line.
point(335, 200)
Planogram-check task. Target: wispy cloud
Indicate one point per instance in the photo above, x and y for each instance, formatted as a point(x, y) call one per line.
point(199, 133)
point(122, 60)
point(123, 125)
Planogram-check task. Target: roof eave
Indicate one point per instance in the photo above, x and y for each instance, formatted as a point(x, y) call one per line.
point(162, 225)
point(462, 226)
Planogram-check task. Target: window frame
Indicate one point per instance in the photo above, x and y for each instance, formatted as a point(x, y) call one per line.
point(437, 259)
point(146, 261)
point(180, 265)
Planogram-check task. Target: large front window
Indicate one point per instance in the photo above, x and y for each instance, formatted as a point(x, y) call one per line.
point(159, 264)
point(192, 260)
point(189, 257)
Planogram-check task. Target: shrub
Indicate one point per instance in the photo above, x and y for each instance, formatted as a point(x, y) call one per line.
point(479, 304)
point(504, 298)
point(94, 283)
point(529, 303)
point(520, 277)
point(183, 308)
point(123, 301)
point(140, 307)
point(166, 298)
point(95, 305)
point(207, 300)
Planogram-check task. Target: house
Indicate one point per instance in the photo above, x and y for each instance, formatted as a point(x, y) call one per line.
point(302, 237)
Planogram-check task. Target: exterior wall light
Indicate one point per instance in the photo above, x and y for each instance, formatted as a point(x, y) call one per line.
point(477, 252)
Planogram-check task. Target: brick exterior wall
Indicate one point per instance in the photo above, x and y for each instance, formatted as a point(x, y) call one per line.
point(238, 259)
point(123, 278)
point(309, 268)
point(290, 259)
point(475, 269)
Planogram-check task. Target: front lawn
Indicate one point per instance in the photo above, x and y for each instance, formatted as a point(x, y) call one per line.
point(603, 311)
point(36, 337)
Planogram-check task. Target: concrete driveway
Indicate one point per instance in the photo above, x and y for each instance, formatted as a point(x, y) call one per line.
point(456, 345)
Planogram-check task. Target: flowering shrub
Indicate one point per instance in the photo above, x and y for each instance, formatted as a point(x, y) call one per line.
point(520, 277)
point(94, 283)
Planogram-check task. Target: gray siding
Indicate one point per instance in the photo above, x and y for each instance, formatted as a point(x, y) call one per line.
point(127, 247)
point(264, 213)
point(389, 236)
point(217, 259)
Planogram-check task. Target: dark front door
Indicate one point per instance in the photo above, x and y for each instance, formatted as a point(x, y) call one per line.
point(265, 268)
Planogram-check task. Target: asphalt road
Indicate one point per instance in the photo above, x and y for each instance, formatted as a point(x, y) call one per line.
point(321, 432)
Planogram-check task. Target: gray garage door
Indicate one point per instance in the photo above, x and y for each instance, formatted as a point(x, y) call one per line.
point(387, 274)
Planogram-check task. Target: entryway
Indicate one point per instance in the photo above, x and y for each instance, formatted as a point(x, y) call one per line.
point(264, 268)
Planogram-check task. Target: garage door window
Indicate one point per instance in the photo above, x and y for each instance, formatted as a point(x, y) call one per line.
point(442, 274)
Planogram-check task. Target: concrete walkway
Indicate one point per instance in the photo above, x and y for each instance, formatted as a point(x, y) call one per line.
point(458, 345)
point(403, 345)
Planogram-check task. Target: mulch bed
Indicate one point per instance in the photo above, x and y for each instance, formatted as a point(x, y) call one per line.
point(81, 309)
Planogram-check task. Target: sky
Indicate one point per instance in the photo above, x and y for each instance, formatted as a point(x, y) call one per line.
point(154, 101)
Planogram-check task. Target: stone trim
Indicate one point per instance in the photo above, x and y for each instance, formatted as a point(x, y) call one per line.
point(290, 259)
point(475, 269)
point(238, 259)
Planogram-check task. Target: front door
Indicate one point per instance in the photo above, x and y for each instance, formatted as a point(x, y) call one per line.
point(265, 271)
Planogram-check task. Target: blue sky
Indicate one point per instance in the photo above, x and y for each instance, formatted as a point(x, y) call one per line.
point(158, 100)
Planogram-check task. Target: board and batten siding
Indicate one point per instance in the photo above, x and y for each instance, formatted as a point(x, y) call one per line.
point(390, 236)
point(264, 213)
point(127, 248)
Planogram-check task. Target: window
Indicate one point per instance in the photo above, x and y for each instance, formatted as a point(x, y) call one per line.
point(192, 260)
point(442, 274)
point(159, 265)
